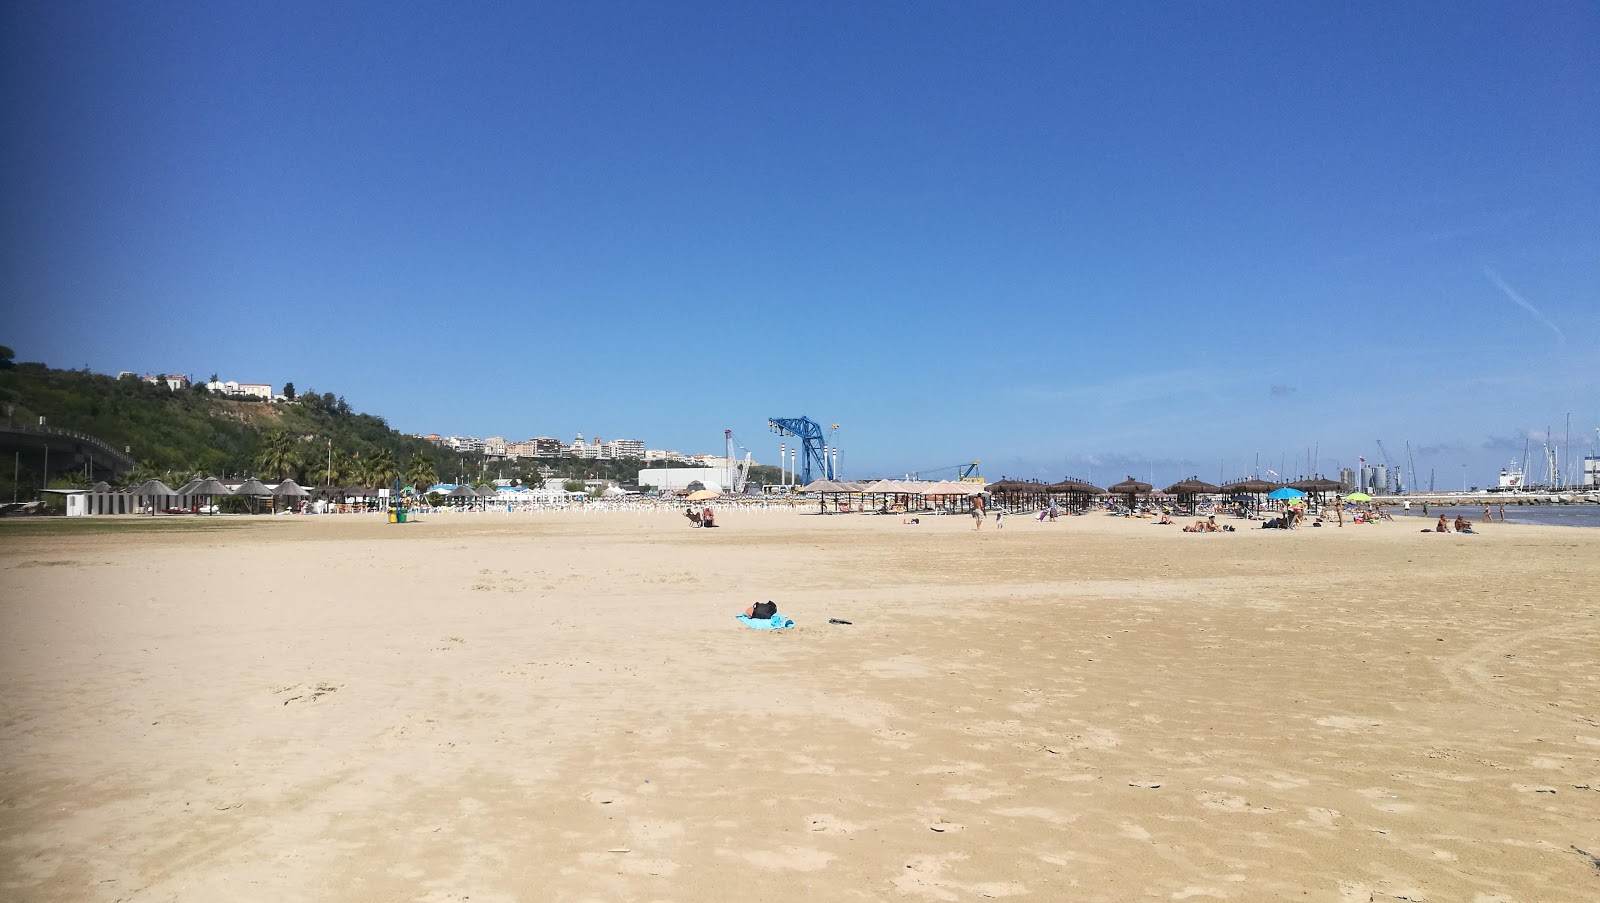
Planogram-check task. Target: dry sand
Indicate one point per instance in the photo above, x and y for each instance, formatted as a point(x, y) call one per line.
point(561, 707)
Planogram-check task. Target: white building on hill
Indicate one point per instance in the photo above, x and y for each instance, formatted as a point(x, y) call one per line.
point(256, 390)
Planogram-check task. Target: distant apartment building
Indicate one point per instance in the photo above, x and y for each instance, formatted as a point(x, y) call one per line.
point(435, 438)
point(595, 450)
point(495, 446)
point(254, 390)
point(464, 444)
point(525, 449)
point(627, 448)
point(666, 456)
point(1347, 479)
point(547, 447)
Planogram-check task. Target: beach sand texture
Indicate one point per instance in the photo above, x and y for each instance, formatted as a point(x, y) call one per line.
point(561, 707)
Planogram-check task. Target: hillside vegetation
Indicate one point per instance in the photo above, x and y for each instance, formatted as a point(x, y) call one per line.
point(189, 432)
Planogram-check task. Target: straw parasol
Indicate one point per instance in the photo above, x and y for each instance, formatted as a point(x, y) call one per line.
point(290, 489)
point(152, 488)
point(1130, 489)
point(1192, 486)
point(255, 490)
point(208, 487)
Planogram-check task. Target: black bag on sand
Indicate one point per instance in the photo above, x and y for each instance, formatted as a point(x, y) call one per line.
point(764, 611)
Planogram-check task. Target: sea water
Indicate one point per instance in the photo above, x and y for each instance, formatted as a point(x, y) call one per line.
point(1545, 515)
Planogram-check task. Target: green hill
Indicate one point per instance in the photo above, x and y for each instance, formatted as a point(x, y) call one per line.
point(177, 434)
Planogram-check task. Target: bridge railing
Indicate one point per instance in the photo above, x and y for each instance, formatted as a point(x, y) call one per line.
point(110, 451)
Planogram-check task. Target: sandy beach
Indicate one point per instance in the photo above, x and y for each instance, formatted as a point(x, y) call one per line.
point(561, 707)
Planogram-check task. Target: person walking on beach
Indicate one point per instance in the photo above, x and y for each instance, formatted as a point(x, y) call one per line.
point(977, 512)
point(1502, 514)
point(999, 520)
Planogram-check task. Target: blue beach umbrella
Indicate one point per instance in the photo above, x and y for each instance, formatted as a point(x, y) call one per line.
point(1285, 493)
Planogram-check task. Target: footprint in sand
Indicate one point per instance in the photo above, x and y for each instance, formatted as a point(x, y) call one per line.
point(828, 824)
point(1322, 818)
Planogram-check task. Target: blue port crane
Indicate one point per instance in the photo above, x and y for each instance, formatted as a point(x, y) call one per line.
point(809, 432)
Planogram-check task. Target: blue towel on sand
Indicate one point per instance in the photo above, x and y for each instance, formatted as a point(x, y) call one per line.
point(777, 622)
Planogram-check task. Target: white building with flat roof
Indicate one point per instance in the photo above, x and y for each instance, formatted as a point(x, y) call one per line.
point(257, 390)
point(678, 479)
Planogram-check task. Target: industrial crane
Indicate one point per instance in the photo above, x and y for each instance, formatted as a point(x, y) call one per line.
point(967, 472)
point(812, 447)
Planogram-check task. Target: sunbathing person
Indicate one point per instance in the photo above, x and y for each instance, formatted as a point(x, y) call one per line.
point(1442, 526)
point(693, 516)
point(1463, 525)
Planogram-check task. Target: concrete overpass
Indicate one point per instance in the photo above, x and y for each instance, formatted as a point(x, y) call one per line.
point(52, 451)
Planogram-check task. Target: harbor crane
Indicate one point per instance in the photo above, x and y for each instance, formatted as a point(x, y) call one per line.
point(965, 472)
point(813, 450)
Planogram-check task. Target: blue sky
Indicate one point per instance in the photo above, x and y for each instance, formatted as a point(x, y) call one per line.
point(1087, 239)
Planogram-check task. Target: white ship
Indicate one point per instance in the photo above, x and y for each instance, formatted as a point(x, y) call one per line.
point(1511, 477)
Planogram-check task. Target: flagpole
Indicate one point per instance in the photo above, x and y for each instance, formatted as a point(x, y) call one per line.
point(328, 474)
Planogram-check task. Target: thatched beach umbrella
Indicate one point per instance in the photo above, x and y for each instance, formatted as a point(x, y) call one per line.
point(1317, 486)
point(208, 488)
point(1186, 490)
point(153, 489)
point(1192, 486)
point(288, 489)
point(255, 490)
point(1251, 486)
point(1130, 489)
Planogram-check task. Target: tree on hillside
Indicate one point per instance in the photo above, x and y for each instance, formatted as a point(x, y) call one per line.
point(381, 468)
point(288, 391)
point(277, 457)
point(6, 355)
point(421, 473)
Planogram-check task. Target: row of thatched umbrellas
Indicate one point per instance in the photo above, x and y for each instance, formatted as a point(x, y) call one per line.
point(1132, 489)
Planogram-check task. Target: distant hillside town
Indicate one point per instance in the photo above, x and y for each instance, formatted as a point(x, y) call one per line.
point(493, 448)
point(229, 388)
point(596, 449)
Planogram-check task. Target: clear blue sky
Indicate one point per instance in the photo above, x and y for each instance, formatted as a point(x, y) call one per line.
point(1086, 239)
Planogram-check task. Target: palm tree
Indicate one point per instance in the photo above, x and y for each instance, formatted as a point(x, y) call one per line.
point(277, 457)
point(381, 468)
point(421, 473)
point(356, 469)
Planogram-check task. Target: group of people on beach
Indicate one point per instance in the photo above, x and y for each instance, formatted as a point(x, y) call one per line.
point(1462, 525)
